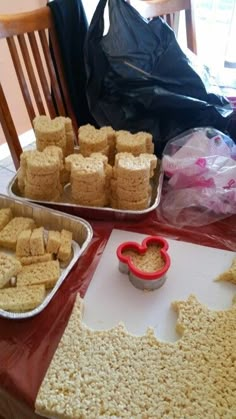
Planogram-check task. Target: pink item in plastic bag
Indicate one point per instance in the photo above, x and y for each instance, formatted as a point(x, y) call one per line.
point(201, 168)
point(181, 153)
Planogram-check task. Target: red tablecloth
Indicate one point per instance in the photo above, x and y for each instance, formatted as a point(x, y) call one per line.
point(27, 346)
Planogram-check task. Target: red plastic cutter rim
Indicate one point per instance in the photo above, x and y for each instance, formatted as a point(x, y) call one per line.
point(142, 249)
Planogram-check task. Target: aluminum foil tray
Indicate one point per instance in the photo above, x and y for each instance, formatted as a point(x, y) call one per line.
point(97, 213)
point(51, 220)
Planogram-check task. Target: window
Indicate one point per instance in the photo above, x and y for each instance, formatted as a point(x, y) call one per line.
point(216, 34)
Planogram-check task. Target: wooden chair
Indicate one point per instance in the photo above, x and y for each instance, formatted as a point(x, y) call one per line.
point(42, 83)
point(169, 10)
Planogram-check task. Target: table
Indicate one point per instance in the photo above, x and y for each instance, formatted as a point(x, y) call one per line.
point(27, 346)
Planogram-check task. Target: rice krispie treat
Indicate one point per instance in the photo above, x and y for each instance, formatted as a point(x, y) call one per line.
point(49, 132)
point(149, 261)
point(42, 273)
point(9, 267)
point(111, 373)
point(30, 260)
point(37, 246)
point(10, 233)
point(65, 249)
point(230, 275)
point(111, 140)
point(23, 243)
point(21, 299)
point(136, 144)
point(53, 241)
point(5, 216)
point(92, 140)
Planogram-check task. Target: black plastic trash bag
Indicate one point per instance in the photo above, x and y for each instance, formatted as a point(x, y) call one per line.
point(71, 27)
point(139, 79)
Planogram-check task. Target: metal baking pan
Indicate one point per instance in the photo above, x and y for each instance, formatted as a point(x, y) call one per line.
point(51, 220)
point(96, 213)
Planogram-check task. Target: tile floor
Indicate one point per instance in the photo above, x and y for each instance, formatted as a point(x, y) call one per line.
point(7, 171)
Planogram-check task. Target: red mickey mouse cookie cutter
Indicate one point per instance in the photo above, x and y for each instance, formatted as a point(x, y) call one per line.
point(143, 278)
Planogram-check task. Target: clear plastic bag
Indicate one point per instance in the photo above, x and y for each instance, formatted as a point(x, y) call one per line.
point(200, 170)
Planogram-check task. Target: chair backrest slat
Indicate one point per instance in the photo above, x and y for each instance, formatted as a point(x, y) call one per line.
point(191, 30)
point(41, 73)
point(33, 45)
point(62, 79)
point(31, 74)
point(52, 73)
point(21, 78)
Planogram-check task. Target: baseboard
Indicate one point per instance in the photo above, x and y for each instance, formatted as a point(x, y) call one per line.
point(26, 138)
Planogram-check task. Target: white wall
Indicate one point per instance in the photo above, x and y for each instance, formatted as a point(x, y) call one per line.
point(7, 73)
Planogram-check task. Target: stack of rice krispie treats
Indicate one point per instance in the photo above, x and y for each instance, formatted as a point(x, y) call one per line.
point(138, 143)
point(130, 167)
point(130, 184)
point(112, 168)
point(57, 131)
point(90, 179)
point(110, 142)
point(39, 175)
point(101, 140)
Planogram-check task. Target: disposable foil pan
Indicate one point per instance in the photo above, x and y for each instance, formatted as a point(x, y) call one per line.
point(51, 220)
point(96, 213)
